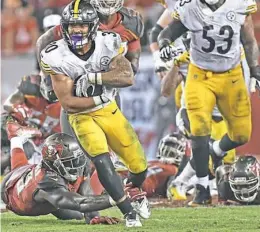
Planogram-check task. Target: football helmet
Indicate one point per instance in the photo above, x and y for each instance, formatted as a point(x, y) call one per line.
point(62, 154)
point(79, 12)
point(172, 148)
point(46, 88)
point(244, 178)
point(107, 7)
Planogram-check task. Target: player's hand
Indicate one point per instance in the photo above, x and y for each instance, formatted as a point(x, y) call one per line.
point(104, 220)
point(160, 66)
point(81, 86)
point(183, 58)
point(166, 52)
point(254, 84)
point(105, 97)
point(255, 72)
point(21, 112)
point(134, 193)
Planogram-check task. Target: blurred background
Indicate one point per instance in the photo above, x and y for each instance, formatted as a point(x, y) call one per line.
point(151, 115)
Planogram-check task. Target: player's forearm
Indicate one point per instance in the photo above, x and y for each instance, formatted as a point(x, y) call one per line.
point(169, 34)
point(44, 40)
point(249, 42)
point(133, 57)
point(73, 104)
point(120, 75)
point(169, 81)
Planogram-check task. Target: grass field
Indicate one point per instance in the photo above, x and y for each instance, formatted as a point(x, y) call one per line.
point(216, 219)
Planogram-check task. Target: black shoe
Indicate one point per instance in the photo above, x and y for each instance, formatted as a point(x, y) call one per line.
point(202, 197)
point(216, 160)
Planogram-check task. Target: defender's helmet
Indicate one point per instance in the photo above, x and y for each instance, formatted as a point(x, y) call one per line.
point(172, 148)
point(62, 154)
point(107, 7)
point(79, 12)
point(244, 178)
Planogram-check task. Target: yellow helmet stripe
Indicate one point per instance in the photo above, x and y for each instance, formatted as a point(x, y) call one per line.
point(76, 9)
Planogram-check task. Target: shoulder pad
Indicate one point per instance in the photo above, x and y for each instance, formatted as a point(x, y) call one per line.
point(52, 180)
point(51, 57)
point(133, 21)
point(30, 85)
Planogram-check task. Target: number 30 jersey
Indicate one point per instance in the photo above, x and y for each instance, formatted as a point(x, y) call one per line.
point(215, 35)
point(57, 58)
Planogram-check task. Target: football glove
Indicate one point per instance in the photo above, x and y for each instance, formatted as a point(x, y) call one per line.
point(166, 52)
point(104, 220)
point(21, 112)
point(82, 85)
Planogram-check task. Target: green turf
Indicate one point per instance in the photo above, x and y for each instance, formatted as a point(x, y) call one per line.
point(216, 219)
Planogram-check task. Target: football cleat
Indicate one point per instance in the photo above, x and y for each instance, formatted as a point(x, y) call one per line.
point(177, 192)
point(142, 207)
point(14, 129)
point(202, 197)
point(132, 220)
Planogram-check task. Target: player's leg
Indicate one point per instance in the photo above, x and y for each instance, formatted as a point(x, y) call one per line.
point(93, 140)
point(219, 129)
point(16, 134)
point(123, 141)
point(234, 104)
point(200, 101)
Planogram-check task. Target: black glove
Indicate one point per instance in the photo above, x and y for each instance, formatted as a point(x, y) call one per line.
point(165, 50)
point(255, 72)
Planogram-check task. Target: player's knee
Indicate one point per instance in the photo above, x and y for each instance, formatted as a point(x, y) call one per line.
point(200, 125)
point(137, 179)
point(138, 167)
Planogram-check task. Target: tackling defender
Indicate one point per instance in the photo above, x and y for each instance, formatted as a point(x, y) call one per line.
point(214, 68)
point(57, 185)
point(86, 67)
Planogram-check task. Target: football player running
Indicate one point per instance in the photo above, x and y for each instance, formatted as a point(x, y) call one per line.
point(215, 75)
point(57, 185)
point(239, 183)
point(85, 68)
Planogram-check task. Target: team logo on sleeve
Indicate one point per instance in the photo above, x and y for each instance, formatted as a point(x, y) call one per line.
point(104, 63)
point(231, 16)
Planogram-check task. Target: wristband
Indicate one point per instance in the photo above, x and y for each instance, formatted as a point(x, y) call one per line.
point(95, 78)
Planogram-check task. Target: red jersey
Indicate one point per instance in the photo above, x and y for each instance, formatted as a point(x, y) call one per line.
point(44, 113)
point(127, 22)
point(155, 183)
point(22, 183)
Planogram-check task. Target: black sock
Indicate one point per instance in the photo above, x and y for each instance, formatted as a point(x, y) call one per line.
point(137, 179)
point(200, 151)
point(111, 181)
point(227, 144)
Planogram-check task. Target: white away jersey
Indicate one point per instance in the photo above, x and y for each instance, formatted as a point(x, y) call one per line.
point(57, 58)
point(170, 4)
point(215, 35)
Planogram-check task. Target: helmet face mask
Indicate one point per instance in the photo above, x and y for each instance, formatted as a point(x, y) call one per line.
point(171, 149)
point(107, 7)
point(244, 179)
point(62, 154)
point(82, 16)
